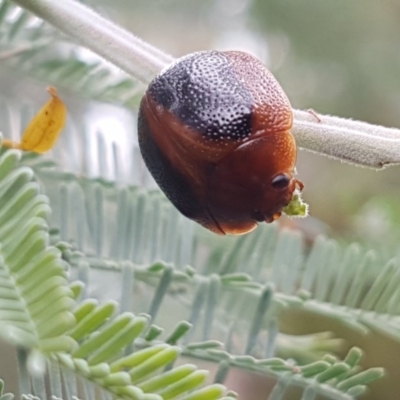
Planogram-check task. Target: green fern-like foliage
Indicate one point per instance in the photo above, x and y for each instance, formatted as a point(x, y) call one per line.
point(40, 317)
point(31, 316)
point(126, 354)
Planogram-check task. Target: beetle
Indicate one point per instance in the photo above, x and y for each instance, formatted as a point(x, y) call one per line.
point(214, 132)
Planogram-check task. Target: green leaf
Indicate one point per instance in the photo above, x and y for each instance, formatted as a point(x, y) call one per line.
point(93, 320)
point(362, 378)
point(29, 314)
point(153, 363)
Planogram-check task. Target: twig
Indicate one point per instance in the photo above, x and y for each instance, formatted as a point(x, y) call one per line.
point(351, 141)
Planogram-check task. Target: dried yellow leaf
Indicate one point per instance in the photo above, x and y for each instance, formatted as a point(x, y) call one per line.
point(43, 130)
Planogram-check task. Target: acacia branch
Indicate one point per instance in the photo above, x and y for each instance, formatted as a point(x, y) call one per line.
point(350, 141)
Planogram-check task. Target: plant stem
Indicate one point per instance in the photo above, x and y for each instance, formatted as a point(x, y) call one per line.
point(350, 141)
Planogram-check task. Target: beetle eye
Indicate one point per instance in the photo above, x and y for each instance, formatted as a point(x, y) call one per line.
point(280, 181)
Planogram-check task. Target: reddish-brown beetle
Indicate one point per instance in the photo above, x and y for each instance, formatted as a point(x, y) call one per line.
point(214, 133)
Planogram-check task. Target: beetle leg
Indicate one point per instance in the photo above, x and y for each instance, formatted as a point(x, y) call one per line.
point(299, 184)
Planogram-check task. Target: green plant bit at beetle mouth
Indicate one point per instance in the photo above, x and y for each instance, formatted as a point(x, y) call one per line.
point(296, 206)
